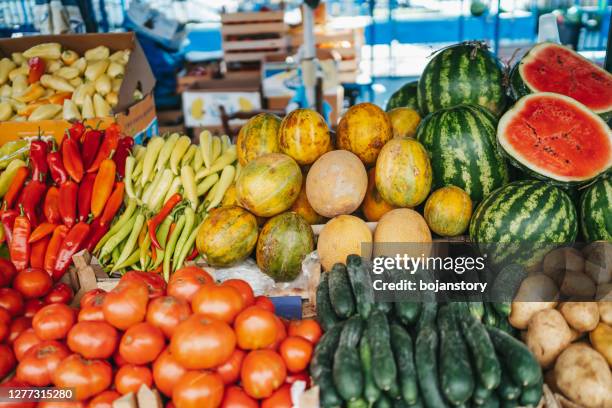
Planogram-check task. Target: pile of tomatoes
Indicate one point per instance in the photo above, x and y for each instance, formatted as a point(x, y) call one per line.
point(201, 344)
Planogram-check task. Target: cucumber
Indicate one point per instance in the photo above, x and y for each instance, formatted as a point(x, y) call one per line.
point(417, 404)
point(346, 371)
point(321, 367)
point(522, 365)
point(384, 307)
point(358, 403)
point(394, 391)
point(508, 403)
point(400, 403)
point(361, 284)
point(504, 325)
point(531, 396)
point(505, 286)
point(407, 312)
point(481, 393)
point(383, 402)
point(489, 318)
point(340, 292)
point(477, 339)
point(325, 312)
point(429, 311)
point(426, 361)
point(491, 402)
point(477, 310)
point(456, 377)
point(384, 370)
point(370, 391)
point(508, 390)
point(401, 343)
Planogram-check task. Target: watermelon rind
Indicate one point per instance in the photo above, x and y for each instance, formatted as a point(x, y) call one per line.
point(404, 97)
point(463, 150)
point(463, 73)
point(596, 211)
point(522, 221)
point(519, 87)
point(516, 159)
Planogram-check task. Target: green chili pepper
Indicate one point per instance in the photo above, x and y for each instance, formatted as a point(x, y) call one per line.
point(187, 246)
point(115, 254)
point(189, 221)
point(131, 241)
point(162, 237)
point(127, 214)
point(129, 261)
point(169, 250)
point(117, 238)
point(130, 163)
point(143, 255)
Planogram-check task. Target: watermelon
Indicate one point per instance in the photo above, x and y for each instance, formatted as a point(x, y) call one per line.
point(463, 73)
point(549, 67)
point(461, 144)
point(522, 221)
point(596, 211)
point(553, 137)
point(405, 97)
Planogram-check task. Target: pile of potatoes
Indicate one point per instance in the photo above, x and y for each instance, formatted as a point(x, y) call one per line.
point(570, 329)
point(49, 82)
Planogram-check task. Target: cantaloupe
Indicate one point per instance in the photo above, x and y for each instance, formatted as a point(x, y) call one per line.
point(336, 183)
point(402, 231)
point(374, 206)
point(341, 237)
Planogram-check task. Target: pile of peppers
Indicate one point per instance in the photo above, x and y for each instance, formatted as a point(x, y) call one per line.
point(50, 211)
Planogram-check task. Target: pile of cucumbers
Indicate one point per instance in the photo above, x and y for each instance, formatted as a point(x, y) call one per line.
point(413, 354)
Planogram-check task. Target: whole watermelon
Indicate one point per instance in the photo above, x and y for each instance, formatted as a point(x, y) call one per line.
point(284, 242)
point(521, 221)
point(405, 97)
point(462, 73)
point(596, 211)
point(463, 150)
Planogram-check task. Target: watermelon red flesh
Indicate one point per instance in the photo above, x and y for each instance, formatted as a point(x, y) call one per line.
point(554, 68)
point(556, 138)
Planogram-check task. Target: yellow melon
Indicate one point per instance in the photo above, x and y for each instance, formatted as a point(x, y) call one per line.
point(304, 135)
point(404, 121)
point(402, 231)
point(341, 237)
point(302, 207)
point(257, 137)
point(448, 211)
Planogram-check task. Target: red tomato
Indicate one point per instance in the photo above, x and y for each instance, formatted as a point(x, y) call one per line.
point(91, 310)
point(40, 362)
point(280, 399)
point(166, 372)
point(130, 377)
point(5, 323)
point(18, 326)
point(235, 397)
point(15, 383)
point(198, 389)
point(93, 339)
point(244, 288)
point(255, 328)
point(200, 342)
point(218, 302)
point(301, 376)
point(7, 360)
point(54, 321)
point(281, 334)
point(11, 300)
point(87, 377)
point(155, 282)
point(185, 282)
point(230, 370)
point(126, 304)
point(296, 352)
point(104, 399)
point(167, 312)
point(141, 344)
point(307, 328)
point(60, 293)
point(90, 296)
point(24, 342)
point(7, 272)
point(33, 283)
point(61, 404)
point(263, 371)
point(265, 303)
point(32, 306)
point(119, 361)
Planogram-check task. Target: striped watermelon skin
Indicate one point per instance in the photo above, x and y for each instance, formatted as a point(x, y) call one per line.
point(405, 97)
point(521, 221)
point(596, 211)
point(463, 150)
point(462, 73)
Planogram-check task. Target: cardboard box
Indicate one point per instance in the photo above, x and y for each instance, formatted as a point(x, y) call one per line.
point(137, 119)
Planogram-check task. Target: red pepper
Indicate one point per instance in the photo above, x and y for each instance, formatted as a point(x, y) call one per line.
point(38, 157)
point(73, 243)
point(41, 232)
point(163, 213)
point(109, 143)
point(97, 231)
point(68, 202)
point(86, 189)
point(16, 185)
point(31, 197)
point(89, 148)
point(71, 157)
point(20, 247)
point(124, 147)
point(53, 248)
point(54, 160)
point(8, 221)
point(113, 204)
point(37, 69)
point(77, 131)
point(193, 254)
point(37, 257)
point(51, 206)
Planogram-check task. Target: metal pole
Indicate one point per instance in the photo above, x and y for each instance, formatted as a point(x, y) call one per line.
point(309, 73)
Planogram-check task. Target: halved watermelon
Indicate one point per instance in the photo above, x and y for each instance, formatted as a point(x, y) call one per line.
point(550, 67)
point(556, 138)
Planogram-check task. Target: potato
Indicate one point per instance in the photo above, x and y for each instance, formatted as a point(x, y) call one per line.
point(582, 316)
point(583, 375)
point(535, 294)
point(598, 261)
point(547, 336)
point(605, 311)
point(577, 285)
point(601, 339)
point(559, 260)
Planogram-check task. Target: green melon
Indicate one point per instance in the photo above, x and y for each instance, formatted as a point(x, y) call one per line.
point(284, 242)
point(405, 97)
point(596, 211)
point(462, 73)
point(522, 221)
point(463, 151)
